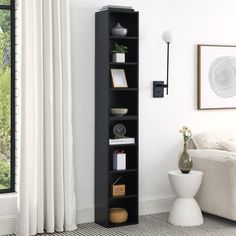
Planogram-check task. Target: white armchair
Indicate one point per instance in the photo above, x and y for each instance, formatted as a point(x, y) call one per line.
point(217, 194)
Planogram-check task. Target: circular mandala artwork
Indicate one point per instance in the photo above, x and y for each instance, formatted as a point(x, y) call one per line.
point(222, 76)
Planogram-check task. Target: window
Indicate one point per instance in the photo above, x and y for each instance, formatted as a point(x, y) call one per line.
point(7, 96)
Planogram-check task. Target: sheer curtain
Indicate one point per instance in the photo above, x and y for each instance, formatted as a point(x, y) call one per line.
point(46, 176)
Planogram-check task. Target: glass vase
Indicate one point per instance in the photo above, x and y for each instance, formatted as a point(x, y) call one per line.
point(185, 161)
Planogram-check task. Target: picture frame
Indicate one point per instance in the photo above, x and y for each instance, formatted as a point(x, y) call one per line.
point(118, 78)
point(216, 69)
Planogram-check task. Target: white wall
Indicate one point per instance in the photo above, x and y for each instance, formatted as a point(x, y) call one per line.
point(202, 21)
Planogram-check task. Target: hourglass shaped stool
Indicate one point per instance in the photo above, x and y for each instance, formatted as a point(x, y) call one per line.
point(185, 211)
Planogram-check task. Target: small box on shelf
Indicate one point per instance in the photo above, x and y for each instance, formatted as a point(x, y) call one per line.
point(119, 161)
point(118, 190)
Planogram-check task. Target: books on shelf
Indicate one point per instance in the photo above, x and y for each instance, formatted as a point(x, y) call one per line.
point(116, 141)
point(116, 7)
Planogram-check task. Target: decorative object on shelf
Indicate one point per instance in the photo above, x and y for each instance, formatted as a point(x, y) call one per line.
point(216, 77)
point(117, 7)
point(158, 86)
point(118, 78)
point(118, 215)
point(118, 52)
point(185, 161)
point(117, 190)
point(119, 160)
point(118, 30)
point(119, 111)
point(119, 130)
point(118, 141)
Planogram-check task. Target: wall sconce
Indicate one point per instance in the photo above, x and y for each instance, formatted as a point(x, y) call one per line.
point(158, 86)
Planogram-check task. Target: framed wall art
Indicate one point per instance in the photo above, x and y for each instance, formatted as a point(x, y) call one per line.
point(118, 78)
point(216, 77)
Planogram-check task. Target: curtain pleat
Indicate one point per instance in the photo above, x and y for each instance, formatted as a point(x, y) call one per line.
point(39, 120)
point(59, 184)
point(70, 213)
point(48, 116)
point(46, 186)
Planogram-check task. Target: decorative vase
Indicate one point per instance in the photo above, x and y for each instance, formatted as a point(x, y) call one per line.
point(185, 162)
point(118, 30)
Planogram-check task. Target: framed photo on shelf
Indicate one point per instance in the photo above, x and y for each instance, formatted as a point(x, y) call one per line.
point(216, 77)
point(118, 78)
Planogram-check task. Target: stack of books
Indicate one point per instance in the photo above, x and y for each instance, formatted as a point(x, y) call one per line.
point(117, 141)
point(128, 8)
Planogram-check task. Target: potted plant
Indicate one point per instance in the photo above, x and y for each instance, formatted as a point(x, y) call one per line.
point(118, 52)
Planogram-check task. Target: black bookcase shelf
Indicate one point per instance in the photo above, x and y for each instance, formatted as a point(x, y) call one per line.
point(124, 197)
point(123, 117)
point(122, 37)
point(107, 97)
point(123, 63)
point(123, 171)
point(123, 89)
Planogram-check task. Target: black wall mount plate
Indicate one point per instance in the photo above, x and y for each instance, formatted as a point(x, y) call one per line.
point(158, 89)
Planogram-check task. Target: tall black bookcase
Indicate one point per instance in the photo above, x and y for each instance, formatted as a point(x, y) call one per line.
point(106, 97)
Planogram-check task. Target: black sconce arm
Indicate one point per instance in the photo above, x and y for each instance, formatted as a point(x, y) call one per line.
point(158, 86)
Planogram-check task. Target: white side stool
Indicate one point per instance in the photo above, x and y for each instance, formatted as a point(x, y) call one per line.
point(185, 211)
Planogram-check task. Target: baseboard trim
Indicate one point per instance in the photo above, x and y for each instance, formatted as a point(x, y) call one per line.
point(150, 205)
point(7, 224)
point(85, 215)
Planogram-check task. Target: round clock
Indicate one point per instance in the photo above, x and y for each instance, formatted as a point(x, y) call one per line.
point(119, 130)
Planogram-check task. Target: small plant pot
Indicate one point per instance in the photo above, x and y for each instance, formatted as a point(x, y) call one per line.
point(118, 57)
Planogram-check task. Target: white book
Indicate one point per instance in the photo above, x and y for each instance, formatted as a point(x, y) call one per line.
point(121, 141)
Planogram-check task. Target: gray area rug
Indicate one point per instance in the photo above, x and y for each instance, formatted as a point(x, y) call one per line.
point(157, 225)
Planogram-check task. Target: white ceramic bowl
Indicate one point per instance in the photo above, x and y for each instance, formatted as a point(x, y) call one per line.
point(119, 111)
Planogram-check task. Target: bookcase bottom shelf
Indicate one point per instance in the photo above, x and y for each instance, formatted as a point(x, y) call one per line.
point(123, 224)
point(110, 225)
point(130, 204)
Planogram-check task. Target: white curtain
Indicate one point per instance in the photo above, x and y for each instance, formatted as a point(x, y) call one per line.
point(46, 175)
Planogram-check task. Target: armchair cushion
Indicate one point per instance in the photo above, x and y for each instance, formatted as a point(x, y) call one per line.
point(211, 140)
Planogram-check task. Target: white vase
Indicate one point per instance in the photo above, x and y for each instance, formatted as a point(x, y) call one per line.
point(118, 57)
